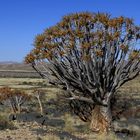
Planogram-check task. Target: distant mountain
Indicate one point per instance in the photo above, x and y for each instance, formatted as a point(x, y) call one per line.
point(17, 70)
point(9, 62)
point(10, 65)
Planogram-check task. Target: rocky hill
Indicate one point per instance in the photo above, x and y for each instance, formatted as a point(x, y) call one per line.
point(14, 69)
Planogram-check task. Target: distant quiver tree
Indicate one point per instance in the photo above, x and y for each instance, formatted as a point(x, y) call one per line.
point(92, 56)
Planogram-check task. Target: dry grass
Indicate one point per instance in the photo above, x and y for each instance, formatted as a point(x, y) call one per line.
point(110, 136)
point(18, 82)
point(132, 86)
point(69, 122)
point(50, 137)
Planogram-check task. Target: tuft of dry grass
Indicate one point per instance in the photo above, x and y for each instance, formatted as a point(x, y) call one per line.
point(69, 123)
point(110, 136)
point(50, 137)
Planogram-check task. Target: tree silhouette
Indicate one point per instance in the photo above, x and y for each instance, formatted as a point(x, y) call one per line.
point(92, 56)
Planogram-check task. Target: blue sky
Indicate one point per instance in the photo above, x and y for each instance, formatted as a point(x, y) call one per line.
point(21, 20)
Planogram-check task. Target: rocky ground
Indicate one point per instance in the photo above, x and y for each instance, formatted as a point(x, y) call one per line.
point(35, 131)
point(31, 126)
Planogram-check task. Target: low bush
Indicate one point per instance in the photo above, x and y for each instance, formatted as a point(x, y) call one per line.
point(5, 124)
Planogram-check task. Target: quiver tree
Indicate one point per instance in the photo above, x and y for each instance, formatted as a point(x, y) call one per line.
point(39, 95)
point(13, 98)
point(92, 56)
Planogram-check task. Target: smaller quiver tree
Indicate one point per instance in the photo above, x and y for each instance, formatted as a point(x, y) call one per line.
point(20, 98)
point(13, 98)
point(39, 95)
point(92, 56)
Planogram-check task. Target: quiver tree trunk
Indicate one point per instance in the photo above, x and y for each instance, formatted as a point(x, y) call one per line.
point(39, 95)
point(101, 119)
point(40, 106)
point(13, 107)
point(99, 116)
point(19, 108)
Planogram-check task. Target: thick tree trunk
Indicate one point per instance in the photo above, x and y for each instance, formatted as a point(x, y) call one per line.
point(19, 108)
point(101, 119)
point(13, 108)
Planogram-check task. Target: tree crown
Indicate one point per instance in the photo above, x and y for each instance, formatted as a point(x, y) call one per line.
point(92, 53)
point(86, 32)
